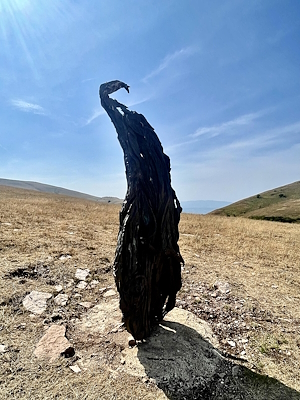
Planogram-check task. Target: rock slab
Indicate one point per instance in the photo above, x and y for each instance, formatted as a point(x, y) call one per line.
point(53, 343)
point(36, 302)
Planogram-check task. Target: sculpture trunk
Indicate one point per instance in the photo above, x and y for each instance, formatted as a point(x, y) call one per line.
point(147, 266)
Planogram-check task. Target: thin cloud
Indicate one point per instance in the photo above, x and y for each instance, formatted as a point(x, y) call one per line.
point(2, 147)
point(28, 107)
point(168, 60)
point(216, 130)
point(95, 115)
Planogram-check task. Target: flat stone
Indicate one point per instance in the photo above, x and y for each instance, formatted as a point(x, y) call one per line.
point(75, 368)
point(82, 274)
point(86, 304)
point(81, 285)
point(36, 302)
point(109, 293)
point(3, 348)
point(61, 299)
point(53, 343)
point(58, 288)
point(65, 257)
point(231, 343)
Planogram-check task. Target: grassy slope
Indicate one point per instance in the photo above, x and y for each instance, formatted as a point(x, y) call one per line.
point(259, 260)
point(280, 204)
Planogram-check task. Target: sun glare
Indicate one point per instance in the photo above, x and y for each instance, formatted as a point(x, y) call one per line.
point(13, 5)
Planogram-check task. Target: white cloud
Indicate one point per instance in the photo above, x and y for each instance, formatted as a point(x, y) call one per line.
point(28, 107)
point(169, 59)
point(216, 130)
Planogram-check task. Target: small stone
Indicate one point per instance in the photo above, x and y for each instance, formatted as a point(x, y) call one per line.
point(223, 287)
point(82, 274)
point(53, 343)
point(86, 304)
point(61, 299)
point(94, 283)
point(109, 293)
point(81, 285)
point(274, 287)
point(21, 326)
point(3, 348)
point(65, 257)
point(75, 368)
point(77, 295)
point(243, 353)
point(231, 343)
point(244, 341)
point(122, 361)
point(131, 341)
point(35, 302)
point(58, 288)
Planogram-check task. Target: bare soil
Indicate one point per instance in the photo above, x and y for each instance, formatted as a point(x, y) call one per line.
point(241, 276)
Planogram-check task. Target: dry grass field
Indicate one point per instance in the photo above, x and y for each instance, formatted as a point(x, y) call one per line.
point(242, 276)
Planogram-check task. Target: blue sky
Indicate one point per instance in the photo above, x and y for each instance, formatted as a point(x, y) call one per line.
point(218, 80)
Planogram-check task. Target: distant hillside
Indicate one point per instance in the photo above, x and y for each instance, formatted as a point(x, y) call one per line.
point(202, 206)
point(280, 204)
point(41, 187)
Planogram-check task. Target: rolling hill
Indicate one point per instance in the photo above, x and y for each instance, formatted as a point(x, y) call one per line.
point(279, 204)
point(41, 187)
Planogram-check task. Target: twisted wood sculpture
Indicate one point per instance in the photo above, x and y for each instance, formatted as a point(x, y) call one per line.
point(147, 266)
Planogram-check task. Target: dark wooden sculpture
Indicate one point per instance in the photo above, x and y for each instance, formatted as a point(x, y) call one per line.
point(147, 266)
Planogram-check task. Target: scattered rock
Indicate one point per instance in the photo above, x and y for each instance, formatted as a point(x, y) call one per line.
point(231, 343)
point(61, 299)
point(3, 348)
point(65, 257)
point(94, 283)
point(75, 368)
point(86, 304)
point(82, 285)
point(58, 288)
point(109, 293)
point(36, 302)
point(77, 295)
point(223, 287)
point(82, 274)
point(53, 343)
point(21, 326)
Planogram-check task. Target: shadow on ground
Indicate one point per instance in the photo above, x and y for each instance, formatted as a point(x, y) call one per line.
point(186, 366)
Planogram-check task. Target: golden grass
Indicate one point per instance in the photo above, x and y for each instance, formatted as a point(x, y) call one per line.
point(259, 259)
